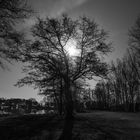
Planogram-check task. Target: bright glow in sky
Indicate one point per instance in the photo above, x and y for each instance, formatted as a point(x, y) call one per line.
point(71, 48)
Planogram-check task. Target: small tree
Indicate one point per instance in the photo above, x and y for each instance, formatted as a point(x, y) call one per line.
point(134, 42)
point(134, 35)
point(11, 12)
point(49, 59)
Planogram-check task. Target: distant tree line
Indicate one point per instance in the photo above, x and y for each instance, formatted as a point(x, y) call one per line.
point(121, 88)
point(19, 106)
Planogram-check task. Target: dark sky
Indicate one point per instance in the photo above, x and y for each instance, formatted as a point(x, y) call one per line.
point(115, 16)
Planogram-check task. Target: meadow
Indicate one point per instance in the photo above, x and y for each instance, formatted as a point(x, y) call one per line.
point(96, 125)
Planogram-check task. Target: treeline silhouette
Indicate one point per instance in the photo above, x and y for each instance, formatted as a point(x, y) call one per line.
point(122, 87)
point(120, 90)
point(19, 106)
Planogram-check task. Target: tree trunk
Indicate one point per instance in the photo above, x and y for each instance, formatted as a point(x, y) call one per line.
point(67, 130)
point(61, 98)
point(60, 104)
point(69, 100)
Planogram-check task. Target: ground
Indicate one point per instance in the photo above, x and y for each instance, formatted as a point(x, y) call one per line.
point(96, 125)
point(109, 125)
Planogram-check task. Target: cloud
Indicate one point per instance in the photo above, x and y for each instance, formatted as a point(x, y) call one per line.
point(78, 2)
point(50, 8)
point(63, 6)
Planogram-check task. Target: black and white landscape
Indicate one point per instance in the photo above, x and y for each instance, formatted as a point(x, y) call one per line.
point(69, 70)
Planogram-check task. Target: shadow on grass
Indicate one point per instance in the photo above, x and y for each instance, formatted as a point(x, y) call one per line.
point(67, 130)
point(27, 127)
point(88, 126)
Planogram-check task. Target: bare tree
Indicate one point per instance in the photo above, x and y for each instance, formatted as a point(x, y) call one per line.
point(134, 36)
point(49, 59)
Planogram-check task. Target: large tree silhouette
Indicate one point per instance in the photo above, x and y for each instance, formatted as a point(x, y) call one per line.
point(49, 60)
point(11, 12)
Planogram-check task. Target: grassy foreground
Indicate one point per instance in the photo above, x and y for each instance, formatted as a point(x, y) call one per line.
point(98, 125)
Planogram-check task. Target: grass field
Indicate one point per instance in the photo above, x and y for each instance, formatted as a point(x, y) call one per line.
point(98, 125)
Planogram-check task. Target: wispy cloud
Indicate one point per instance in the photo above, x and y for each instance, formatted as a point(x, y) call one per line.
point(78, 2)
point(58, 7)
point(63, 6)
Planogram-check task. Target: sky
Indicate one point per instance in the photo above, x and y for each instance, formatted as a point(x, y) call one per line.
point(114, 16)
